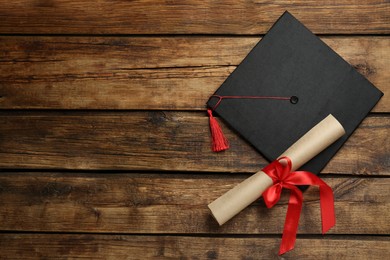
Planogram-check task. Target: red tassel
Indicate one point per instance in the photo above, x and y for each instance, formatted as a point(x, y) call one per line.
point(219, 141)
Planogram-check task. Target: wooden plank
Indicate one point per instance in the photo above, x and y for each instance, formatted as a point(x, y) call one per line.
point(175, 141)
point(53, 246)
point(190, 17)
point(146, 73)
point(171, 203)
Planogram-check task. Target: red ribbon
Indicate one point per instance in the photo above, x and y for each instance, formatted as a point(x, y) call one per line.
point(282, 177)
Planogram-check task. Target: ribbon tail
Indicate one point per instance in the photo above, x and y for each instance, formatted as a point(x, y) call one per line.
point(292, 219)
point(328, 216)
point(327, 208)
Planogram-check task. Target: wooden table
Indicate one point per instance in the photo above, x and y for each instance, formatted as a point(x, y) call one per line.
point(104, 143)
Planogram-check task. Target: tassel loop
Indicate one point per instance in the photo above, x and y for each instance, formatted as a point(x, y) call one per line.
point(219, 141)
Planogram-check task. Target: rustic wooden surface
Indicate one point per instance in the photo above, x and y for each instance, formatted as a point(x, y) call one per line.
point(104, 146)
point(159, 73)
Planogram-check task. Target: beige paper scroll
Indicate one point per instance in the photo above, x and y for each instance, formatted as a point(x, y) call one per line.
point(308, 146)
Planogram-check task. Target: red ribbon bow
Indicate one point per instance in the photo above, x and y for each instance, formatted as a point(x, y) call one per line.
point(282, 177)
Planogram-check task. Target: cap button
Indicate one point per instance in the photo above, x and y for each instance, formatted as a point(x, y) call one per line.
point(294, 99)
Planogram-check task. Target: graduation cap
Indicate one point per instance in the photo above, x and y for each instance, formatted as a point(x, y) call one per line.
point(288, 83)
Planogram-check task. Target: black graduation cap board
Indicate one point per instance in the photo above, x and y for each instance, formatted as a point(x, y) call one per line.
point(290, 61)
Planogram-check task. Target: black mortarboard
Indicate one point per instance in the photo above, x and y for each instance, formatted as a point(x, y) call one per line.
point(289, 82)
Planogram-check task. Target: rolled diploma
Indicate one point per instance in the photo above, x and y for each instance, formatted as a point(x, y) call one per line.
point(308, 146)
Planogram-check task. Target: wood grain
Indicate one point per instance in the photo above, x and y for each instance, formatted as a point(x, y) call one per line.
point(190, 17)
point(174, 141)
point(54, 246)
point(172, 203)
point(156, 73)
